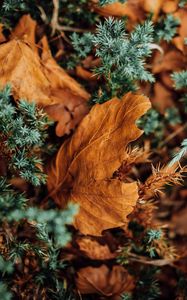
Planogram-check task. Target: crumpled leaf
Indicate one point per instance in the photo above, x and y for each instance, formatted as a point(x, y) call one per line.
point(135, 10)
point(132, 9)
point(21, 67)
point(179, 222)
point(153, 6)
point(84, 165)
point(40, 79)
point(179, 40)
point(161, 92)
point(70, 98)
point(25, 31)
point(2, 37)
point(94, 250)
point(170, 6)
point(105, 282)
point(172, 60)
point(56, 75)
point(85, 74)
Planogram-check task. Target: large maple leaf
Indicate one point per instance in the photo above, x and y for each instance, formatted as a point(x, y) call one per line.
point(83, 168)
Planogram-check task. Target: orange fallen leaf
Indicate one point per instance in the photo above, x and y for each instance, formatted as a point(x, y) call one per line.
point(105, 282)
point(172, 60)
point(21, 67)
point(165, 78)
point(170, 6)
point(163, 98)
point(41, 79)
point(25, 31)
point(179, 222)
point(132, 9)
point(85, 74)
point(57, 76)
point(153, 6)
point(94, 250)
point(84, 165)
point(2, 37)
point(179, 41)
point(70, 99)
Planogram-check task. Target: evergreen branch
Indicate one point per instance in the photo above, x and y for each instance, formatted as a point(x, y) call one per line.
point(22, 134)
point(122, 56)
point(105, 2)
point(180, 79)
point(182, 3)
point(182, 152)
point(166, 28)
point(4, 293)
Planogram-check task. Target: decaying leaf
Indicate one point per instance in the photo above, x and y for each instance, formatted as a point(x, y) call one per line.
point(153, 6)
point(70, 98)
point(132, 9)
point(84, 165)
point(94, 250)
point(2, 37)
point(40, 79)
point(21, 67)
point(105, 282)
point(179, 40)
point(169, 6)
point(163, 97)
point(57, 76)
point(85, 74)
point(25, 31)
point(172, 60)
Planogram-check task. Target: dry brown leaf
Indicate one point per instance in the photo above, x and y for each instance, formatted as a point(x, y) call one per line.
point(132, 9)
point(170, 6)
point(85, 74)
point(40, 79)
point(21, 67)
point(179, 41)
point(153, 6)
point(165, 78)
point(2, 37)
point(57, 76)
point(172, 60)
point(69, 98)
point(163, 98)
point(94, 250)
point(25, 31)
point(179, 222)
point(85, 163)
point(105, 282)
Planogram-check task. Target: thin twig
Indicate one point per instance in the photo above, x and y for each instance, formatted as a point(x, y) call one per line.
point(173, 134)
point(43, 15)
point(155, 262)
point(56, 26)
point(54, 20)
point(69, 28)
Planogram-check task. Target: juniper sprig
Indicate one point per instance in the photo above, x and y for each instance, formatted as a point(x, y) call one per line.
point(22, 134)
point(166, 28)
point(105, 2)
point(182, 3)
point(122, 55)
point(179, 155)
point(180, 83)
point(180, 79)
